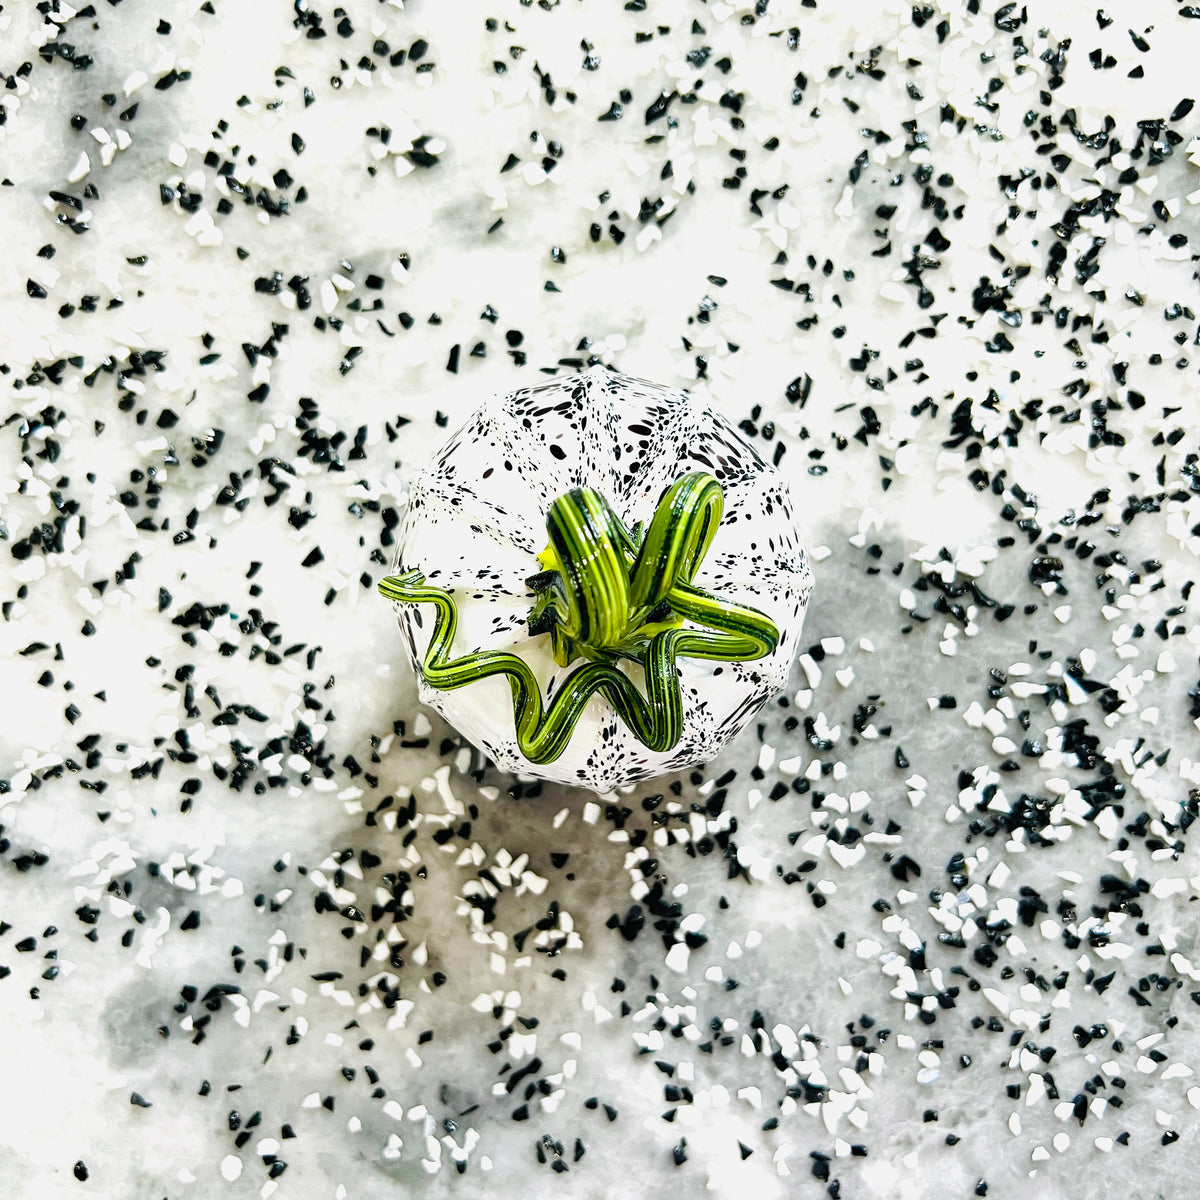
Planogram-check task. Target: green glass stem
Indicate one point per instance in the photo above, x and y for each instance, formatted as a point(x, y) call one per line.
point(607, 594)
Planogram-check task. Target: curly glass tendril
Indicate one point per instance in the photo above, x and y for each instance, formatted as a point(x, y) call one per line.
point(607, 593)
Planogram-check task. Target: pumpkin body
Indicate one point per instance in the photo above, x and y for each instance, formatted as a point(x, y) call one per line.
point(476, 522)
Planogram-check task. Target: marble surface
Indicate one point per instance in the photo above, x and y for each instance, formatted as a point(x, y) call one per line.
point(269, 928)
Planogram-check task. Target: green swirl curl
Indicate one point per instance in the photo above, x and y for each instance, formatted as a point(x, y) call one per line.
point(607, 594)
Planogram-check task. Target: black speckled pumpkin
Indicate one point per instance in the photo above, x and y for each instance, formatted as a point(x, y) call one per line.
point(476, 524)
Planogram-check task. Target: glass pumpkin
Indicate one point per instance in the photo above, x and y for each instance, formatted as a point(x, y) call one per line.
point(626, 464)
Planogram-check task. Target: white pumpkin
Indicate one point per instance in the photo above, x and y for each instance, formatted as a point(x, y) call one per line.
point(476, 522)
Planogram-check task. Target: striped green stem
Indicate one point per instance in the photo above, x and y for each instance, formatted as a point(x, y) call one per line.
point(607, 594)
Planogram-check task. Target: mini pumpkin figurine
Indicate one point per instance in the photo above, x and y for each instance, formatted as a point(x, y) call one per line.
point(599, 580)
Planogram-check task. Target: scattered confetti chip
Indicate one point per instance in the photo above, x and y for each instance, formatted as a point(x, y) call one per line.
point(927, 917)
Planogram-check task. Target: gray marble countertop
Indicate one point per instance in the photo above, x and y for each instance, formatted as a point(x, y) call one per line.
point(927, 928)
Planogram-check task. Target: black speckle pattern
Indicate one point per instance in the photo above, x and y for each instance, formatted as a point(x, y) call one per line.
point(476, 522)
